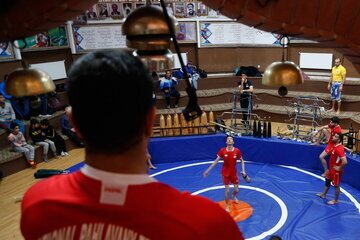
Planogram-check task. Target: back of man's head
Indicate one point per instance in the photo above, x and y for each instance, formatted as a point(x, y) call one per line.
point(110, 92)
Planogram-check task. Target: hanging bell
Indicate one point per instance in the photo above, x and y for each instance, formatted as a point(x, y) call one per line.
point(29, 82)
point(283, 73)
point(147, 32)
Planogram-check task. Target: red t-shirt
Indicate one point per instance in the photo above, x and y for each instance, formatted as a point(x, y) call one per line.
point(337, 153)
point(79, 206)
point(230, 157)
point(335, 129)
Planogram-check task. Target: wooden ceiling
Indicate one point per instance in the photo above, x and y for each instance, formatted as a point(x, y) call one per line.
point(23, 18)
point(334, 23)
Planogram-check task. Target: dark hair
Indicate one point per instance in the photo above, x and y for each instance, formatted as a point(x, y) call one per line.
point(33, 121)
point(45, 122)
point(230, 136)
point(13, 125)
point(341, 136)
point(116, 84)
point(335, 120)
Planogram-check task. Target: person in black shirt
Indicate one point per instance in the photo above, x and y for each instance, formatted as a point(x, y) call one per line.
point(51, 134)
point(246, 88)
point(38, 137)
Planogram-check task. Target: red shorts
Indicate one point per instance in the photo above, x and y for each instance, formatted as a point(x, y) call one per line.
point(329, 148)
point(231, 178)
point(335, 176)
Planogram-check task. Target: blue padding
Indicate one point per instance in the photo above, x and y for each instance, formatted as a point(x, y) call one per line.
point(273, 150)
point(309, 217)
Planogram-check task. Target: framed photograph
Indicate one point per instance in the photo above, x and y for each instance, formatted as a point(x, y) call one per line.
point(201, 9)
point(179, 9)
point(91, 13)
point(191, 9)
point(116, 10)
point(52, 39)
point(170, 8)
point(6, 51)
point(127, 8)
point(186, 32)
point(102, 10)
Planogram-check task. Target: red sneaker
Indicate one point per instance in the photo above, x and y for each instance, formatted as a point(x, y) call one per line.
point(33, 164)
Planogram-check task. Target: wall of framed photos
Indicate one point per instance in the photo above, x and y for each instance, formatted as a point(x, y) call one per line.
point(211, 41)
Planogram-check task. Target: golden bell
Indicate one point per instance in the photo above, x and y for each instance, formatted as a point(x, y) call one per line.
point(282, 73)
point(147, 31)
point(28, 82)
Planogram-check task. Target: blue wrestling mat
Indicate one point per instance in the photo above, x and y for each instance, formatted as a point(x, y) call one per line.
point(280, 200)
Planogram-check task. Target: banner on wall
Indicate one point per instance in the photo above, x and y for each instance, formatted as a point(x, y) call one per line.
point(229, 33)
point(92, 37)
point(186, 32)
point(52, 39)
point(6, 51)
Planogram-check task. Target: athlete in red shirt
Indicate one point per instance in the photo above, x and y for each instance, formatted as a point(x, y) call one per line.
point(113, 197)
point(328, 132)
point(230, 154)
point(337, 163)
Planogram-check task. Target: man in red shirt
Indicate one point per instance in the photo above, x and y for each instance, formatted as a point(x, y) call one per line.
point(327, 132)
point(113, 197)
point(230, 154)
point(337, 163)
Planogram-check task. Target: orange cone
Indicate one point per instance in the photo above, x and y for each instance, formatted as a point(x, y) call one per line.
point(176, 124)
point(169, 125)
point(184, 131)
point(204, 122)
point(163, 132)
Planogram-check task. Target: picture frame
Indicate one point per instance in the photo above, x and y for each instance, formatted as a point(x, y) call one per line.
point(128, 7)
point(201, 9)
point(116, 10)
point(6, 51)
point(179, 9)
point(170, 8)
point(186, 32)
point(102, 10)
point(190, 9)
point(52, 39)
point(91, 13)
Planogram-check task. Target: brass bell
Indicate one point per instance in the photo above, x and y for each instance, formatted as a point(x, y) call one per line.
point(282, 73)
point(28, 82)
point(147, 31)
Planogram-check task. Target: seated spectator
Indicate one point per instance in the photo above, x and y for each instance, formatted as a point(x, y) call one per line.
point(38, 137)
point(68, 129)
point(167, 85)
point(40, 106)
point(52, 135)
point(19, 144)
point(20, 105)
point(192, 72)
point(54, 102)
point(7, 115)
